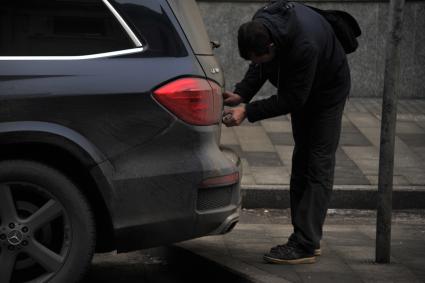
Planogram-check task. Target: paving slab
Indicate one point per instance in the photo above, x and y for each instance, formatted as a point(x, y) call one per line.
point(413, 140)
point(362, 152)
point(228, 136)
point(408, 128)
point(285, 153)
point(364, 120)
point(270, 175)
point(254, 139)
point(283, 138)
point(263, 159)
point(276, 126)
point(353, 139)
point(348, 248)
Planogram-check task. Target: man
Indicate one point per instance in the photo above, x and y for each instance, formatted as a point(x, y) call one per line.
point(296, 50)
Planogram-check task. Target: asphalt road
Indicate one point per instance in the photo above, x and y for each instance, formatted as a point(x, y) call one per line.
point(162, 265)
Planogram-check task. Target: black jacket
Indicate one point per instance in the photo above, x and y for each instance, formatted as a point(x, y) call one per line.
point(310, 63)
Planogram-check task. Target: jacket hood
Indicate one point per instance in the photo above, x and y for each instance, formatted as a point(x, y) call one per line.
point(279, 19)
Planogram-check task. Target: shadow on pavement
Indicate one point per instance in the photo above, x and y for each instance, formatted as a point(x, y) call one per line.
point(161, 265)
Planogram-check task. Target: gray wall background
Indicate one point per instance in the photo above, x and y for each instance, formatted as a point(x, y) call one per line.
point(223, 18)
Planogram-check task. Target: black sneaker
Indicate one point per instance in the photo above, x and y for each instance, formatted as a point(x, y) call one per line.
point(317, 251)
point(289, 254)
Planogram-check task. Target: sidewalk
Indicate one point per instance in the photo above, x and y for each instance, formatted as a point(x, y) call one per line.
point(266, 147)
point(348, 249)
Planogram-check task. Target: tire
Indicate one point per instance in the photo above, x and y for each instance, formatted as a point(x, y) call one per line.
point(47, 229)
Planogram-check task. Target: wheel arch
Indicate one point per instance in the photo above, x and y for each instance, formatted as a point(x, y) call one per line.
point(73, 155)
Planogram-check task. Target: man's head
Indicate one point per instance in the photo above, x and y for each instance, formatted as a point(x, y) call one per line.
point(255, 43)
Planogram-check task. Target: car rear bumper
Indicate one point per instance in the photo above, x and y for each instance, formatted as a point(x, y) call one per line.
point(222, 220)
point(159, 198)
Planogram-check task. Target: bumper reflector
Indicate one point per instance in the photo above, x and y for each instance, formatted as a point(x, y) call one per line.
point(221, 181)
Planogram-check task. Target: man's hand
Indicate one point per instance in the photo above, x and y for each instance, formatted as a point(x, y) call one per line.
point(231, 99)
point(234, 116)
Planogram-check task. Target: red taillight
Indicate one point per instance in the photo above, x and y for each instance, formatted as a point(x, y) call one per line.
point(221, 181)
point(194, 100)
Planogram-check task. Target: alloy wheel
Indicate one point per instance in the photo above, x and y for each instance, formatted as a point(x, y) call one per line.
point(35, 233)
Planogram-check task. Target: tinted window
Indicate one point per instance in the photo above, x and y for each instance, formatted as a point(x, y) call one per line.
point(59, 28)
point(151, 23)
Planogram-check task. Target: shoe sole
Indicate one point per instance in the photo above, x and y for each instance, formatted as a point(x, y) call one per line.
point(317, 252)
point(290, 261)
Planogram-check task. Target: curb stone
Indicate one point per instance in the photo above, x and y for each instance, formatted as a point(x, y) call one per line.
point(343, 196)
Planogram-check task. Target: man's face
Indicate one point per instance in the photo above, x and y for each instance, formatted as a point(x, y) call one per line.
point(259, 59)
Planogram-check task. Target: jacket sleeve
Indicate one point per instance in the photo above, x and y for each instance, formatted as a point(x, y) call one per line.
point(251, 83)
point(294, 93)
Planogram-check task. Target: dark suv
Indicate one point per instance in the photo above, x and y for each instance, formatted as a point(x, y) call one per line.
point(110, 116)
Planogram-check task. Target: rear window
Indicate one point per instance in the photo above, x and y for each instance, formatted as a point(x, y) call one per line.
point(59, 28)
point(189, 16)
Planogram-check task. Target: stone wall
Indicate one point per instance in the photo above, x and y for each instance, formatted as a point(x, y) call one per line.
point(222, 19)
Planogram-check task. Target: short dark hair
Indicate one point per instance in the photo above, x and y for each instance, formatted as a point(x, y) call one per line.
point(253, 38)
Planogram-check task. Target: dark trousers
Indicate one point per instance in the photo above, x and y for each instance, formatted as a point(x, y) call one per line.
point(316, 132)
